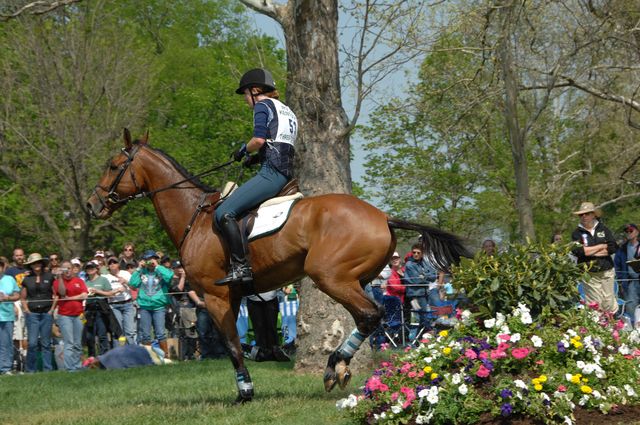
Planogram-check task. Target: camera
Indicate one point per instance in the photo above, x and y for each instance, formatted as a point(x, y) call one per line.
point(63, 269)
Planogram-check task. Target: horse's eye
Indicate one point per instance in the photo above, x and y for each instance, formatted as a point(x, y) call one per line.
point(113, 167)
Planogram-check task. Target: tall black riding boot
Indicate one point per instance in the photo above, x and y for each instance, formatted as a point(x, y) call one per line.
point(240, 272)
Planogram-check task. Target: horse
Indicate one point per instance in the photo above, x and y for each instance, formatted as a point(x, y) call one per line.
point(338, 240)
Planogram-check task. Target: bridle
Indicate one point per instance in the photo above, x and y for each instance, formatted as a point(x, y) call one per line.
point(112, 197)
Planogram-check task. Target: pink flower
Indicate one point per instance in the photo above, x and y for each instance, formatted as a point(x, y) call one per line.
point(394, 396)
point(385, 364)
point(562, 388)
point(503, 346)
point(384, 346)
point(483, 372)
point(406, 368)
point(616, 335)
point(407, 349)
point(539, 361)
point(520, 353)
point(375, 384)
point(498, 354)
point(483, 355)
point(470, 354)
point(505, 337)
point(409, 395)
point(619, 325)
point(421, 374)
point(594, 305)
point(412, 374)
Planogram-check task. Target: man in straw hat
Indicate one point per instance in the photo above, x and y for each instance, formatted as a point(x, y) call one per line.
point(594, 245)
point(38, 305)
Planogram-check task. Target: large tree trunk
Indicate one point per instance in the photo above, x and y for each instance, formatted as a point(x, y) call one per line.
point(516, 135)
point(322, 149)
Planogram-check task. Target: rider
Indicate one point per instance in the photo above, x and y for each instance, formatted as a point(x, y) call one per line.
point(275, 128)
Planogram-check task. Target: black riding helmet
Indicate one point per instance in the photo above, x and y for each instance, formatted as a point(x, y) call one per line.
point(256, 78)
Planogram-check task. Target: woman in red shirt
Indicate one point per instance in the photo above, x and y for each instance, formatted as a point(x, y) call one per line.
point(394, 286)
point(70, 294)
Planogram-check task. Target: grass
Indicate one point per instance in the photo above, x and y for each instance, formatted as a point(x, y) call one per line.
point(183, 393)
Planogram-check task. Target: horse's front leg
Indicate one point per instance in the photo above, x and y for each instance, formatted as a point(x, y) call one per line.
point(224, 316)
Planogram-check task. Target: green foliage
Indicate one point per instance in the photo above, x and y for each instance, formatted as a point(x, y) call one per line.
point(541, 276)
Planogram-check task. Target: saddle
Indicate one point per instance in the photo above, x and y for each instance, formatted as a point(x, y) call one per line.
point(290, 191)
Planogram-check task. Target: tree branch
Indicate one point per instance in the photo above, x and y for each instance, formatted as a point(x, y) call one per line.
point(266, 7)
point(37, 8)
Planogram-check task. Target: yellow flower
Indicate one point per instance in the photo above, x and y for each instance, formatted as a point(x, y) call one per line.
point(443, 333)
point(535, 381)
point(427, 369)
point(538, 387)
point(576, 344)
point(434, 376)
point(577, 337)
point(586, 389)
point(542, 378)
point(446, 351)
point(576, 378)
point(585, 380)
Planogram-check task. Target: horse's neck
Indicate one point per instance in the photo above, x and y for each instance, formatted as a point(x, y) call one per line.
point(174, 207)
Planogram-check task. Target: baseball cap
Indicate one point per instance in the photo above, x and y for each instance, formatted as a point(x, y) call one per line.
point(630, 226)
point(76, 261)
point(176, 264)
point(395, 254)
point(149, 253)
point(99, 254)
point(91, 264)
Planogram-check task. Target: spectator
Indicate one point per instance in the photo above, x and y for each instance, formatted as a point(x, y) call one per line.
point(71, 291)
point(9, 292)
point(489, 247)
point(121, 302)
point(38, 306)
point(594, 245)
point(263, 312)
point(556, 238)
point(101, 259)
point(394, 285)
point(288, 314)
point(166, 261)
point(211, 344)
point(76, 268)
point(127, 357)
point(627, 277)
point(185, 309)
point(153, 281)
point(18, 270)
point(419, 274)
point(54, 263)
point(128, 255)
point(97, 311)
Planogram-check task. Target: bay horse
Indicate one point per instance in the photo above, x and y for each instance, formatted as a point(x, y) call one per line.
point(338, 240)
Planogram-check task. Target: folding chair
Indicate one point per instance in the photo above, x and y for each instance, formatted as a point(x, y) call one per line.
point(393, 321)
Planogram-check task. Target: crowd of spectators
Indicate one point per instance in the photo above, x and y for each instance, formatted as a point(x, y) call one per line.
point(60, 313)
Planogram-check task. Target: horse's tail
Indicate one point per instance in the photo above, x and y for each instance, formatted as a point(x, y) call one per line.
point(442, 248)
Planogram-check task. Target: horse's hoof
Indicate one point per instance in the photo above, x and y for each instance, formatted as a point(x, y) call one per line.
point(343, 373)
point(241, 400)
point(330, 381)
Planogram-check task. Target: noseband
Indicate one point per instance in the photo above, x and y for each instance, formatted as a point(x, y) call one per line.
point(112, 197)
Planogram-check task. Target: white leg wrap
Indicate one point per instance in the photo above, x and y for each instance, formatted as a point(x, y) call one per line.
point(352, 344)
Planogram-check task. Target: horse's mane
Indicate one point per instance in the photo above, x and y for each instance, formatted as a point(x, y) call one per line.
point(186, 174)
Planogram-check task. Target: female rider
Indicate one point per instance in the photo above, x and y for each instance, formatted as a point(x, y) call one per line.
point(275, 129)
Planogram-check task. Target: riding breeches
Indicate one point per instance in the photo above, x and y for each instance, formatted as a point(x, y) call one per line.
point(264, 185)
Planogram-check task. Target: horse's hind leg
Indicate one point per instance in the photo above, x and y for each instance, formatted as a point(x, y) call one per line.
point(367, 315)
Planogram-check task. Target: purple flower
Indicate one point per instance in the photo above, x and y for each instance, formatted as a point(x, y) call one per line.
point(561, 348)
point(506, 393)
point(506, 409)
point(468, 379)
point(546, 402)
point(488, 364)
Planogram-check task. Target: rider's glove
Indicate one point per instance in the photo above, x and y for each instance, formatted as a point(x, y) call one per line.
point(240, 153)
point(251, 160)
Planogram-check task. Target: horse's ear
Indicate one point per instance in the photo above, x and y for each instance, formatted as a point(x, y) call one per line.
point(145, 138)
point(127, 138)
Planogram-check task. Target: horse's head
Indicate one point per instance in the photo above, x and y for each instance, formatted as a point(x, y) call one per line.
point(118, 183)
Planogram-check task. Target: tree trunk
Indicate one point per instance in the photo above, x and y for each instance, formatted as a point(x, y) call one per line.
point(517, 137)
point(322, 149)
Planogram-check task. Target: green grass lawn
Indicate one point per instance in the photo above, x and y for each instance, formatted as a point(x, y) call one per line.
point(181, 393)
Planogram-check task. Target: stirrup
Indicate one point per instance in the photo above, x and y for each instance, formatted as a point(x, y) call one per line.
point(237, 275)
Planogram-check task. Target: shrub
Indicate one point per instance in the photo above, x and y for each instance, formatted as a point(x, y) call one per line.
point(536, 275)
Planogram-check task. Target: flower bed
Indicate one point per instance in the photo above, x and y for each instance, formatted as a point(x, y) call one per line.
point(508, 366)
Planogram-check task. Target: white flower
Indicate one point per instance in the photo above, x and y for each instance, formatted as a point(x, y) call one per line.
point(423, 393)
point(544, 396)
point(505, 330)
point(520, 384)
point(565, 343)
point(526, 319)
point(589, 368)
point(567, 421)
point(515, 337)
point(571, 332)
point(396, 409)
point(523, 308)
point(630, 391)
point(347, 403)
point(425, 419)
point(537, 341)
point(462, 389)
point(489, 323)
point(432, 398)
point(456, 379)
point(583, 400)
point(624, 350)
point(499, 319)
point(380, 416)
point(568, 376)
point(519, 395)
point(596, 394)
point(466, 317)
point(580, 364)
point(428, 360)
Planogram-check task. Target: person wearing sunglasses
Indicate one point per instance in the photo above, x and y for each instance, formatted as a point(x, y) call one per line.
point(595, 244)
point(628, 278)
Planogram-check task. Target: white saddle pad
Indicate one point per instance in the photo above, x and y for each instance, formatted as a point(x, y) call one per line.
point(271, 217)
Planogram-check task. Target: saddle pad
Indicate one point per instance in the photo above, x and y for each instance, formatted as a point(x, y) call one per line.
point(271, 218)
